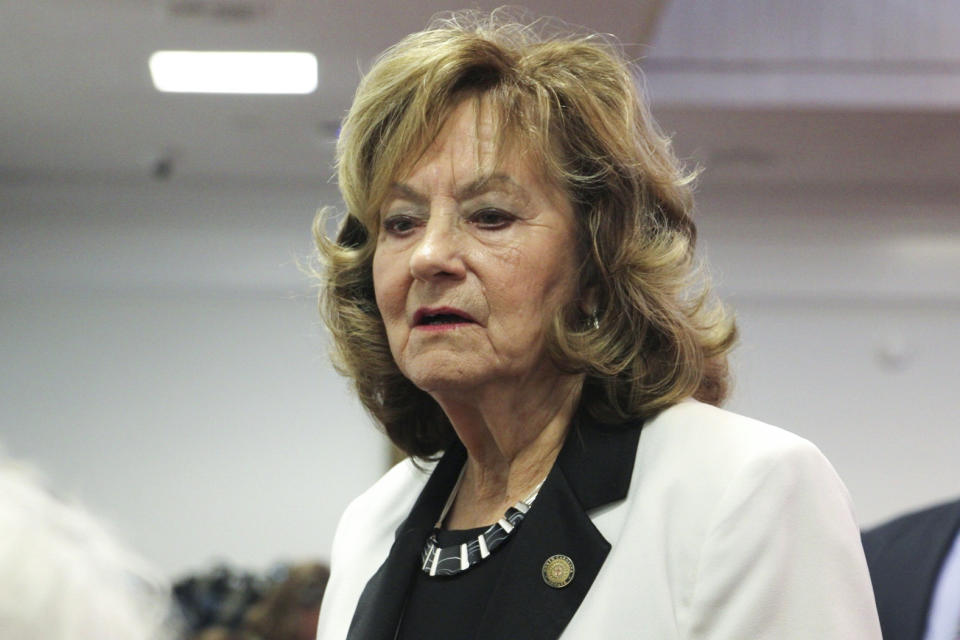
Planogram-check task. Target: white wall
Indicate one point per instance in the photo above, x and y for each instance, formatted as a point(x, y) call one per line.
point(160, 354)
point(162, 358)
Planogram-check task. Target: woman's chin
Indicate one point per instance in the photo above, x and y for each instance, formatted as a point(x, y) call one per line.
point(437, 368)
point(445, 381)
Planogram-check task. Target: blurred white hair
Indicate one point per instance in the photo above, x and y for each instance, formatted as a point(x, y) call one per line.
point(64, 576)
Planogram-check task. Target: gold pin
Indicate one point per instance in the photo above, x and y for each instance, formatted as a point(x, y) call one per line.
point(558, 571)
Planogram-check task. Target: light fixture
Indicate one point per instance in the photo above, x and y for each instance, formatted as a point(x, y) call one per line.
point(234, 71)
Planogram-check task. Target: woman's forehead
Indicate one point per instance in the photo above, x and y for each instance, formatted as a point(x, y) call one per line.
point(469, 136)
point(480, 143)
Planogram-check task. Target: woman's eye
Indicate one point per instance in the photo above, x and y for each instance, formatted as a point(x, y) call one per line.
point(492, 219)
point(399, 225)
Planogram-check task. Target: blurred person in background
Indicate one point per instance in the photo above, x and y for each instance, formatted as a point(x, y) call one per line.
point(914, 564)
point(64, 576)
point(225, 604)
point(290, 609)
point(214, 603)
point(514, 293)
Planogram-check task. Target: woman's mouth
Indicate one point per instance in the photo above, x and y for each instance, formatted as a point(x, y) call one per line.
point(440, 318)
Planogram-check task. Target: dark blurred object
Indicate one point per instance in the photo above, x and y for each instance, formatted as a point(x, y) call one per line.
point(220, 633)
point(290, 609)
point(225, 604)
point(219, 598)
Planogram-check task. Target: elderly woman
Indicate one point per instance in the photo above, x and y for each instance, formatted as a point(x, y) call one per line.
point(513, 294)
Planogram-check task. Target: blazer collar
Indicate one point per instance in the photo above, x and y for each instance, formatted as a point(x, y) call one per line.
point(597, 461)
point(593, 469)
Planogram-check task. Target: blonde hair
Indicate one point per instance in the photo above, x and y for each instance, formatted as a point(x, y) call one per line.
point(571, 101)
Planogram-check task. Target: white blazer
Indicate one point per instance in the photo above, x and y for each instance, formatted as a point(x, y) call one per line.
point(712, 526)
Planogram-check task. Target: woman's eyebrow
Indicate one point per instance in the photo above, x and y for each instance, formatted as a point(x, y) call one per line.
point(483, 184)
point(406, 192)
point(493, 182)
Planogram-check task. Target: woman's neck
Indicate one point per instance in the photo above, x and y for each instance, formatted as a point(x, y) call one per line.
point(512, 439)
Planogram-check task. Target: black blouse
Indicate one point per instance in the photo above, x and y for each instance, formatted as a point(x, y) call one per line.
point(451, 607)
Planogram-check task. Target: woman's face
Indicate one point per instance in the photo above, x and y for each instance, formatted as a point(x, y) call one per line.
point(473, 256)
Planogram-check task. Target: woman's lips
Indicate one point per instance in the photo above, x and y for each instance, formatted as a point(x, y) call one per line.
point(440, 318)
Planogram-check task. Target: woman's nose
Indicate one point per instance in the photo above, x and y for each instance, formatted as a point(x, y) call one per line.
point(438, 253)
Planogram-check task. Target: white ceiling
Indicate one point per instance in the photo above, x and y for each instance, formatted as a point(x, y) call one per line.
point(77, 97)
point(77, 102)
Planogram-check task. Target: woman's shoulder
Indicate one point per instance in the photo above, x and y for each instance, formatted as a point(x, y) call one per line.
point(708, 450)
point(692, 427)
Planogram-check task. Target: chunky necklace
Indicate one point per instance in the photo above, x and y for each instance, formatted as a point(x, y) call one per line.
point(450, 560)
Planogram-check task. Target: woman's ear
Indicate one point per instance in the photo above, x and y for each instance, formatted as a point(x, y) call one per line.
point(589, 307)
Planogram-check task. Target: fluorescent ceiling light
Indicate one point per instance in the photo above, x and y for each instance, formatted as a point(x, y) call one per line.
point(234, 71)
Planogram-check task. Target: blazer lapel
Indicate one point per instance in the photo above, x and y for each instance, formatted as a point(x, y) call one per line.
point(382, 600)
point(593, 469)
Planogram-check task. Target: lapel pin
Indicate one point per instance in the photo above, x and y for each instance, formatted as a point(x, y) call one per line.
point(558, 571)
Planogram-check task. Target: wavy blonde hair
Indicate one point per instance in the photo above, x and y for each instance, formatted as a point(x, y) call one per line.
point(652, 334)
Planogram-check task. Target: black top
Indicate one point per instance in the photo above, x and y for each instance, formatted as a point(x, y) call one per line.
point(451, 607)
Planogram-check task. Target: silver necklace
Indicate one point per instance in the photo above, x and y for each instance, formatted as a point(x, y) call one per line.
point(436, 560)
